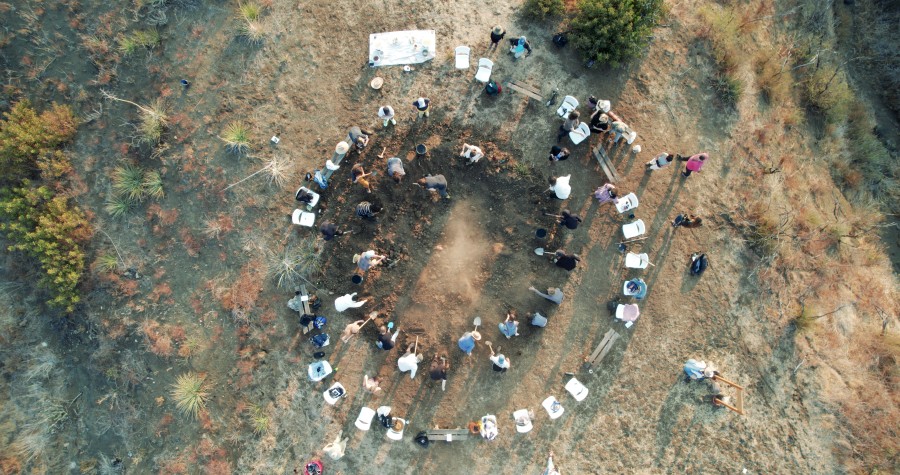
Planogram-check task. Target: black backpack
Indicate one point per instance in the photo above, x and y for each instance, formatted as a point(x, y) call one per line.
point(422, 439)
point(560, 40)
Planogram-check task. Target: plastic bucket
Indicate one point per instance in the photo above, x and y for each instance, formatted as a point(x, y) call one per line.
point(356, 279)
point(541, 233)
point(421, 150)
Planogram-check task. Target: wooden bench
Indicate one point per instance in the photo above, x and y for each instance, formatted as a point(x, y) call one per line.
point(526, 89)
point(738, 406)
point(448, 435)
point(304, 299)
point(601, 350)
point(606, 164)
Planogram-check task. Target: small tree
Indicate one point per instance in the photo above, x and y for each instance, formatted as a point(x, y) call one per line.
point(26, 136)
point(614, 31)
point(541, 9)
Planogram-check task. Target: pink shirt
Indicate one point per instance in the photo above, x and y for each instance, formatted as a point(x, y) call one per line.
point(695, 163)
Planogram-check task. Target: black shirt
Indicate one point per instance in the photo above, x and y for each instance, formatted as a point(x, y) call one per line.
point(386, 343)
point(570, 220)
point(567, 262)
point(495, 38)
point(329, 230)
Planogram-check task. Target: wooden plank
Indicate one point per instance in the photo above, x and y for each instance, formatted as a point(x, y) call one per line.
point(524, 89)
point(602, 344)
point(606, 164)
point(441, 434)
point(608, 347)
point(304, 293)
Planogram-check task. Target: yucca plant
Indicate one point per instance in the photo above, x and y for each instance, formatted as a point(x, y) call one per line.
point(260, 419)
point(253, 31)
point(146, 38)
point(127, 45)
point(108, 263)
point(249, 11)
point(153, 185)
point(128, 181)
point(118, 205)
point(237, 138)
point(190, 393)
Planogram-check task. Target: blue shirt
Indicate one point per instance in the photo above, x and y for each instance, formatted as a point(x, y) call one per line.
point(467, 343)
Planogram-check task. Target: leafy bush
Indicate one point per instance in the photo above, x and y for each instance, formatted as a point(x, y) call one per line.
point(543, 8)
point(26, 137)
point(726, 51)
point(825, 89)
point(728, 87)
point(49, 228)
point(614, 31)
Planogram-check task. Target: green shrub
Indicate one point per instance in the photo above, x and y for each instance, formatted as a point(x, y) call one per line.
point(541, 9)
point(728, 87)
point(726, 51)
point(49, 228)
point(26, 137)
point(614, 31)
point(138, 39)
point(825, 89)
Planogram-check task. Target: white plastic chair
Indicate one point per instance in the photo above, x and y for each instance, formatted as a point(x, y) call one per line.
point(576, 389)
point(633, 230)
point(485, 66)
point(302, 218)
point(319, 370)
point(395, 434)
point(627, 202)
point(332, 399)
point(364, 421)
point(462, 57)
point(315, 200)
point(523, 421)
point(628, 313)
point(568, 105)
point(553, 407)
point(638, 294)
point(582, 132)
point(637, 261)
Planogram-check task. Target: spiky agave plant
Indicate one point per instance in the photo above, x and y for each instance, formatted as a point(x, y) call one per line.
point(152, 123)
point(237, 138)
point(297, 262)
point(249, 11)
point(153, 185)
point(190, 393)
point(108, 263)
point(118, 205)
point(128, 181)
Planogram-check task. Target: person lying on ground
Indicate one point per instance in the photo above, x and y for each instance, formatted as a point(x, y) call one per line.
point(386, 340)
point(518, 46)
point(599, 122)
point(467, 343)
point(395, 169)
point(435, 183)
point(371, 384)
point(497, 34)
point(358, 137)
point(367, 260)
point(695, 163)
point(558, 153)
point(346, 301)
point(560, 186)
point(551, 468)
point(699, 263)
point(566, 261)
point(606, 193)
point(554, 294)
point(569, 125)
point(358, 175)
point(367, 210)
point(438, 371)
point(386, 114)
point(661, 160)
point(569, 220)
point(409, 361)
point(687, 220)
point(538, 320)
point(422, 104)
point(510, 327)
point(329, 230)
point(471, 152)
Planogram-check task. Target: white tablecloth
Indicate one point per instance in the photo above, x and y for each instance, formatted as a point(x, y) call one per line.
point(401, 47)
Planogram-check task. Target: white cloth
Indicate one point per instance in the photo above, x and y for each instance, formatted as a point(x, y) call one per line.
point(408, 362)
point(335, 450)
point(386, 115)
point(346, 301)
point(489, 427)
point(402, 47)
point(562, 188)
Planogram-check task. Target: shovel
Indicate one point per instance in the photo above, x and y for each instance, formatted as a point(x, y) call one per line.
point(477, 324)
point(539, 251)
point(416, 347)
point(381, 155)
point(491, 347)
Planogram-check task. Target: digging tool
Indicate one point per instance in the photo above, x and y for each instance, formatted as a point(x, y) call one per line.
point(491, 347)
point(381, 155)
point(539, 251)
point(477, 323)
point(416, 346)
point(634, 240)
point(554, 215)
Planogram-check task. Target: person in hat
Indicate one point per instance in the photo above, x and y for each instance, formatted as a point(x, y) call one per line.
point(435, 183)
point(497, 34)
point(329, 230)
point(395, 169)
point(346, 301)
point(554, 294)
point(599, 122)
point(569, 220)
point(410, 361)
point(560, 186)
point(499, 363)
point(367, 260)
point(467, 342)
point(386, 114)
point(368, 210)
point(572, 122)
point(510, 326)
point(558, 153)
point(695, 163)
point(661, 160)
point(566, 261)
point(621, 129)
point(422, 104)
point(699, 263)
point(358, 175)
point(386, 340)
point(438, 371)
point(606, 194)
point(358, 137)
point(472, 152)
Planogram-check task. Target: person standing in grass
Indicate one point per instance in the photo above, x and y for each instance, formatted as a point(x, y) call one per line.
point(566, 261)
point(386, 114)
point(497, 35)
point(438, 370)
point(510, 327)
point(569, 125)
point(499, 363)
point(560, 186)
point(554, 294)
point(695, 163)
point(367, 210)
point(569, 220)
point(358, 137)
point(422, 104)
point(661, 160)
point(386, 340)
point(621, 129)
point(329, 230)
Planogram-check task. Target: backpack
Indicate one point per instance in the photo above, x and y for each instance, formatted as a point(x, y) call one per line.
point(385, 420)
point(560, 40)
point(320, 340)
point(422, 439)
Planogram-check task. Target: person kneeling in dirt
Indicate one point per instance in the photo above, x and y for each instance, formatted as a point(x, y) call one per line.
point(554, 294)
point(538, 320)
point(329, 230)
point(435, 183)
point(367, 260)
point(606, 194)
point(385, 339)
point(472, 152)
point(367, 210)
point(358, 175)
point(569, 220)
point(698, 370)
point(409, 361)
point(560, 186)
point(438, 372)
point(687, 221)
point(566, 261)
point(510, 327)
point(395, 169)
point(699, 263)
point(467, 342)
point(358, 137)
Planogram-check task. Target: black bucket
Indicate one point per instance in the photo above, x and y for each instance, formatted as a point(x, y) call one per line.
point(421, 150)
point(541, 233)
point(356, 279)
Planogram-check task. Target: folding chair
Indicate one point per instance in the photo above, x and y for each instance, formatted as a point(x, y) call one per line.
point(633, 230)
point(637, 261)
point(576, 389)
point(364, 421)
point(568, 105)
point(302, 218)
point(315, 200)
point(628, 313)
point(553, 407)
point(335, 393)
point(523, 421)
point(627, 202)
point(485, 66)
point(582, 132)
point(638, 294)
point(462, 57)
point(397, 434)
point(319, 370)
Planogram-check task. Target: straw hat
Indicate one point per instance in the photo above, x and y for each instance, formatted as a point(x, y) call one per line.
point(498, 30)
point(342, 147)
point(356, 258)
point(398, 425)
point(476, 336)
point(377, 82)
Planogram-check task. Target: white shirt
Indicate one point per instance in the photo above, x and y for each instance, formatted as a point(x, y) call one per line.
point(408, 362)
point(386, 115)
point(562, 188)
point(344, 302)
point(496, 360)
